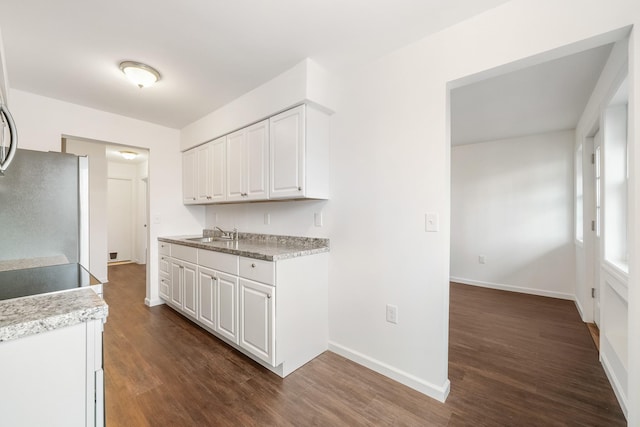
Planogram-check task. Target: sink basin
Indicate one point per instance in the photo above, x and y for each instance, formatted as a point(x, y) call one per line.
point(207, 239)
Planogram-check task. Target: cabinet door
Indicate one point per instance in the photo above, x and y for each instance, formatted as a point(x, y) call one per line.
point(236, 165)
point(189, 177)
point(257, 320)
point(203, 173)
point(176, 283)
point(219, 170)
point(206, 297)
point(226, 303)
point(287, 154)
point(257, 161)
point(190, 281)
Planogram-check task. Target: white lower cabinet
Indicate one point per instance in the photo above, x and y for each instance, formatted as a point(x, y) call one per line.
point(164, 271)
point(207, 297)
point(226, 307)
point(257, 312)
point(54, 378)
point(274, 312)
point(180, 286)
point(183, 287)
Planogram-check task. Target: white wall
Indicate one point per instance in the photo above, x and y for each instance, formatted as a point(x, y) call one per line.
point(614, 302)
point(43, 121)
point(512, 202)
point(390, 165)
point(97, 202)
point(305, 82)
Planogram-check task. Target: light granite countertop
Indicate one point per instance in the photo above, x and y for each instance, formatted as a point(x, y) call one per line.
point(20, 317)
point(258, 246)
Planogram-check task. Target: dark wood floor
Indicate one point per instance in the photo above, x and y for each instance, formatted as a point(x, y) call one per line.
point(515, 360)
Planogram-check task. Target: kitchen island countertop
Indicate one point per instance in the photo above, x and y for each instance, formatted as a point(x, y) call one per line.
point(20, 317)
point(258, 246)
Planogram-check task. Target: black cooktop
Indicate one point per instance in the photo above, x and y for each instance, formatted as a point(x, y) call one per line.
point(42, 280)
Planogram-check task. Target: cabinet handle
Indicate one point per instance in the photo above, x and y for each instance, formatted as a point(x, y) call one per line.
point(214, 278)
point(162, 246)
point(209, 197)
point(162, 258)
point(299, 188)
point(269, 296)
point(193, 198)
point(243, 194)
point(253, 266)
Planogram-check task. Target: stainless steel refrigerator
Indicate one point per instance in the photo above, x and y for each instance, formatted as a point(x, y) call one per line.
point(44, 207)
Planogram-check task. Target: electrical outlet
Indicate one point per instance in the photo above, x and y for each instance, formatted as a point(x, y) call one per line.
point(317, 219)
point(392, 313)
point(267, 218)
point(482, 259)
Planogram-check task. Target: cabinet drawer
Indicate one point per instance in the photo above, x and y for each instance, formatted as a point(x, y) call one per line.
point(163, 264)
point(218, 261)
point(184, 253)
point(258, 270)
point(165, 287)
point(164, 248)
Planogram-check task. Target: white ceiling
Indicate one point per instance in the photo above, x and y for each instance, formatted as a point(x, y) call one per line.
point(547, 97)
point(209, 52)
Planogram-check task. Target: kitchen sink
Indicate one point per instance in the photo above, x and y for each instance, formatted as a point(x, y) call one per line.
point(208, 239)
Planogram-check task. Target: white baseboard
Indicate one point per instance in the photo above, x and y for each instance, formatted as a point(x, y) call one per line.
point(615, 384)
point(154, 302)
point(580, 310)
point(439, 393)
point(511, 288)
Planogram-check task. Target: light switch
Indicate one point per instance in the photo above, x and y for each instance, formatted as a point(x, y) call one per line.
point(156, 219)
point(267, 219)
point(431, 222)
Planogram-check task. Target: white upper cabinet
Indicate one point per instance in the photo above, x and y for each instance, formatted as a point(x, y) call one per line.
point(218, 166)
point(203, 173)
point(299, 158)
point(189, 177)
point(248, 162)
point(204, 178)
point(283, 157)
point(287, 151)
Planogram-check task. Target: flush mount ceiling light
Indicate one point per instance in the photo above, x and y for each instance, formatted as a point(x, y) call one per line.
point(140, 74)
point(129, 155)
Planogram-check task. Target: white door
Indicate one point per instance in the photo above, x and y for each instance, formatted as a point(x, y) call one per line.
point(119, 219)
point(141, 233)
point(598, 222)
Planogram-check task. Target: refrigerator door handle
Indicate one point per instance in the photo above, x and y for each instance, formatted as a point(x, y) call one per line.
point(6, 158)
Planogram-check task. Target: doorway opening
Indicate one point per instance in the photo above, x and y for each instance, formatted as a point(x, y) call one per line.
point(118, 202)
point(518, 220)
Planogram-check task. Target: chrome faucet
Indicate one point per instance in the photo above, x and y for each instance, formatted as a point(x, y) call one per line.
point(231, 235)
